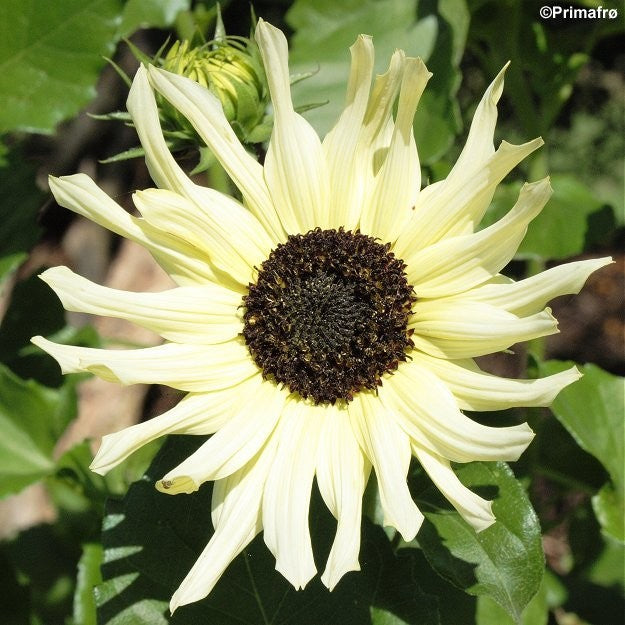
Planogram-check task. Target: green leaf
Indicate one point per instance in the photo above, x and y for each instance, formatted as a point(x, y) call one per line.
point(325, 29)
point(32, 418)
point(150, 14)
point(51, 54)
point(20, 200)
point(151, 540)
point(88, 577)
point(504, 562)
point(536, 613)
point(592, 411)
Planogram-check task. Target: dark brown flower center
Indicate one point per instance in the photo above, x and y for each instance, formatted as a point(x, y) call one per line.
point(328, 314)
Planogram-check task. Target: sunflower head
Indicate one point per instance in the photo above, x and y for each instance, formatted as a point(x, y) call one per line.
point(326, 322)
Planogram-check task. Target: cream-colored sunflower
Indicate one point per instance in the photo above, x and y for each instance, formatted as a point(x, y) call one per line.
point(327, 324)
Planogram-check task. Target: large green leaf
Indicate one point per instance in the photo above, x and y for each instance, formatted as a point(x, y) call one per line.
point(324, 30)
point(32, 418)
point(51, 54)
point(592, 411)
point(504, 562)
point(151, 540)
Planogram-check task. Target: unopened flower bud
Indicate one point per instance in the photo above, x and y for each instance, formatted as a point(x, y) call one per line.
point(231, 69)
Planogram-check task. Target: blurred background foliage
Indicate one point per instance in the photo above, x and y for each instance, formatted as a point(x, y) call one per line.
point(65, 531)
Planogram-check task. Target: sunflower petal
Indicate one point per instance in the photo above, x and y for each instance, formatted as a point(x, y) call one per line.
point(163, 168)
point(185, 367)
point(339, 145)
point(80, 194)
point(287, 494)
point(232, 446)
point(237, 520)
point(397, 185)
point(427, 411)
point(227, 233)
point(479, 145)
point(477, 512)
point(459, 263)
point(388, 449)
point(194, 314)
point(445, 330)
point(454, 207)
point(342, 473)
point(197, 413)
point(295, 169)
point(205, 113)
point(530, 295)
point(477, 390)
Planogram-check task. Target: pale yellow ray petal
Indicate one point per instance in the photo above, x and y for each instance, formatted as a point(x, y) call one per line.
point(225, 231)
point(295, 168)
point(475, 510)
point(375, 136)
point(479, 145)
point(427, 411)
point(194, 314)
point(530, 295)
point(459, 263)
point(446, 330)
point(397, 184)
point(163, 168)
point(233, 445)
point(477, 390)
point(388, 449)
point(196, 413)
point(205, 112)
point(455, 207)
point(342, 474)
point(339, 145)
point(182, 261)
point(185, 367)
point(286, 499)
point(237, 519)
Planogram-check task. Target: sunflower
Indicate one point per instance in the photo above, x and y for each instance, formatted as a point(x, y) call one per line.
point(327, 324)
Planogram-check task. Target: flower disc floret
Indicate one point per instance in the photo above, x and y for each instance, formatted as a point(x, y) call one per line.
point(328, 314)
